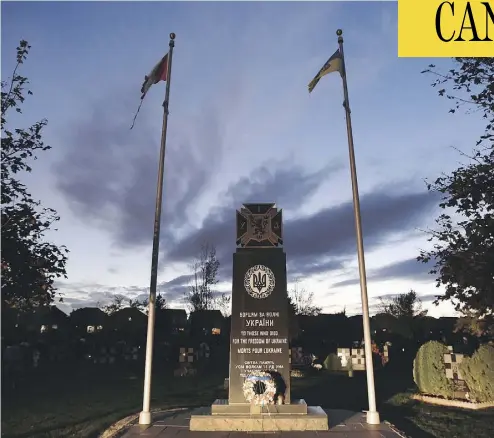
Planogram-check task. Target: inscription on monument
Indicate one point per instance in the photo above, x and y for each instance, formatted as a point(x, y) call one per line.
point(258, 338)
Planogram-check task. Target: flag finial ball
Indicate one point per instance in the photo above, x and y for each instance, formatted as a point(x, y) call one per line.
point(339, 32)
point(172, 36)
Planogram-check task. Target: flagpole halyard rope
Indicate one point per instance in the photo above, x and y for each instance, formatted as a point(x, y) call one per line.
point(137, 112)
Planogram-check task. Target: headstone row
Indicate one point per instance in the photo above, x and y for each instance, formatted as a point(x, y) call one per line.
point(110, 355)
point(355, 356)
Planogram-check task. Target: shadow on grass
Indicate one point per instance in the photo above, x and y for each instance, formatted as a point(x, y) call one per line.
point(415, 418)
point(338, 391)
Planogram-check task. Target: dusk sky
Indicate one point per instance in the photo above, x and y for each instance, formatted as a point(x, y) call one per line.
point(242, 128)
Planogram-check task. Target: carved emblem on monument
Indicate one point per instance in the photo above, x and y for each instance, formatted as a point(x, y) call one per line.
point(259, 281)
point(259, 225)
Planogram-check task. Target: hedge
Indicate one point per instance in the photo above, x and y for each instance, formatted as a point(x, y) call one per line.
point(429, 371)
point(478, 372)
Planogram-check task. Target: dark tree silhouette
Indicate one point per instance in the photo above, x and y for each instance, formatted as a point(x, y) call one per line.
point(160, 303)
point(463, 251)
point(403, 305)
point(30, 265)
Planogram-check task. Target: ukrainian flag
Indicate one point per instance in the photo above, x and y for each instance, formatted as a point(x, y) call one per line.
point(334, 63)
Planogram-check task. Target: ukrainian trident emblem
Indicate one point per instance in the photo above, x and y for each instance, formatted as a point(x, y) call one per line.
point(259, 281)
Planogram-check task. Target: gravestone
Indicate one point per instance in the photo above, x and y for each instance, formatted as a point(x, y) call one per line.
point(345, 356)
point(451, 365)
point(385, 359)
point(185, 367)
point(358, 359)
point(259, 333)
point(353, 358)
point(186, 355)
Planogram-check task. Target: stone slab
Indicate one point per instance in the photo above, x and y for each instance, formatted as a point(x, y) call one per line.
point(221, 407)
point(342, 423)
point(315, 420)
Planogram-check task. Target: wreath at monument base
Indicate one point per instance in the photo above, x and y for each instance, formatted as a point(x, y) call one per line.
point(259, 388)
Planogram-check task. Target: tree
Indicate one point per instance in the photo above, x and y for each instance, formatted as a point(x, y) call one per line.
point(160, 303)
point(403, 305)
point(30, 265)
point(115, 305)
point(471, 324)
point(222, 302)
point(293, 324)
point(303, 301)
point(121, 301)
point(200, 295)
point(463, 248)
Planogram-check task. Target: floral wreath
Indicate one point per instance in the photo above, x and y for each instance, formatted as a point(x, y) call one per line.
point(267, 397)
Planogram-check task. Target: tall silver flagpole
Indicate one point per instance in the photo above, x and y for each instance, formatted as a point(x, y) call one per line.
point(372, 414)
point(145, 415)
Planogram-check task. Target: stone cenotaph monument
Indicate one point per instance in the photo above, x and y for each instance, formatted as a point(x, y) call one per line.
point(259, 396)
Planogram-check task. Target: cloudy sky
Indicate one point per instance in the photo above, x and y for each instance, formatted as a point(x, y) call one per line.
point(242, 128)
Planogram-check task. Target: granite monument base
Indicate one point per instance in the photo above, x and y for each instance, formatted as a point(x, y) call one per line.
point(222, 407)
point(243, 417)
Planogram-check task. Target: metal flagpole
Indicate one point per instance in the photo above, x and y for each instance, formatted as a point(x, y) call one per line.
point(145, 415)
point(372, 414)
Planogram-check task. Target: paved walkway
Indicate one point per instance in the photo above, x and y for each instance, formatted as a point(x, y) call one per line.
point(341, 424)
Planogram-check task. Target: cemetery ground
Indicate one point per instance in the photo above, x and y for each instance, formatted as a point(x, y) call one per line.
point(84, 402)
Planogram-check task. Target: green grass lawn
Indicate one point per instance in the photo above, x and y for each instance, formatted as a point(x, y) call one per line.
point(83, 403)
point(86, 402)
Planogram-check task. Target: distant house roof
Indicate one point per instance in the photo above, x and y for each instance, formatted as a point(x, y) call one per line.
point(129, 312)
point(50, 315)
point(383, 321)
point(178, 312)
point(177, 317)
point(206, 317)
point(88, 316)
point(309, 322)
point(126, 316)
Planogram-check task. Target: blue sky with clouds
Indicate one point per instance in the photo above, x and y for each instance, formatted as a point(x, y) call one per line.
point(242, 127)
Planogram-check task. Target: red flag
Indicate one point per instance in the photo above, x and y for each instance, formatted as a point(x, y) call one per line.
point(158, 73)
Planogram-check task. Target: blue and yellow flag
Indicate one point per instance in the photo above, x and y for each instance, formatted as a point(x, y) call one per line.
point(334, 63)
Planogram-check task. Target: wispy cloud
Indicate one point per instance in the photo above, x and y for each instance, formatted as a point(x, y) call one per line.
point(409, 269)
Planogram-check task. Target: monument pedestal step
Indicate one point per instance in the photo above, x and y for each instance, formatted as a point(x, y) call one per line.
point(314, 419)
point(222, 407)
